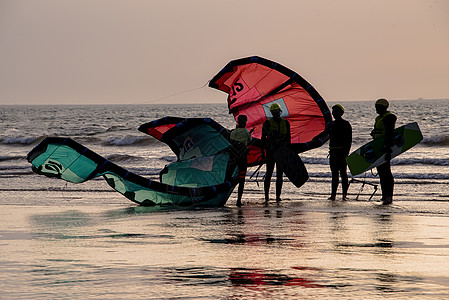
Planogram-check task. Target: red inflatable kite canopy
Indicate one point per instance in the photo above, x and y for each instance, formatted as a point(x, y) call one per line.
point(254, 83)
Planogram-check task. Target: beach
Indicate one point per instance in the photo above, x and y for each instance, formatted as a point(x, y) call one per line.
point(91, 246)
point(85, 241)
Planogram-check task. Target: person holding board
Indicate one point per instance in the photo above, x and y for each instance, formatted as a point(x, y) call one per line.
point(384, 126)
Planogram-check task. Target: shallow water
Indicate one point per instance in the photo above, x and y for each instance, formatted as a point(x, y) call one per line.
point(314, 248)
point(67, 241)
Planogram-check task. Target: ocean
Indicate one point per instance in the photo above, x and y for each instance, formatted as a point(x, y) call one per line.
point(70, 241)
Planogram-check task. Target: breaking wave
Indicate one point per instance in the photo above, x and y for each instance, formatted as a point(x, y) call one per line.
point(116, 158)
point(5, 158)
point(20, 140)
point(130, 140)
point(420, 161)
point(438, 140)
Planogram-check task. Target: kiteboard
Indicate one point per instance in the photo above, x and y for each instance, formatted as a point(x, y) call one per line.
point(292, 165)
point(372, 154)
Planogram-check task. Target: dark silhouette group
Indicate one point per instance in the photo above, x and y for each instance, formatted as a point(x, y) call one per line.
point(276, 133)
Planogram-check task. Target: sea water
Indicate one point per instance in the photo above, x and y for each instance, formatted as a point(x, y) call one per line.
point(66, 241)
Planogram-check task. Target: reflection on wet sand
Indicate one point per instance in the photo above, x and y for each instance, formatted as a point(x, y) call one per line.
point(279, 251)
point(259, 277)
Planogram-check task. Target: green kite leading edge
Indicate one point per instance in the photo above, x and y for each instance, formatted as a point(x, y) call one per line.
point(203, 175)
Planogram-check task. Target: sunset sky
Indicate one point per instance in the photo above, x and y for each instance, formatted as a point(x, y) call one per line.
point(153, 51)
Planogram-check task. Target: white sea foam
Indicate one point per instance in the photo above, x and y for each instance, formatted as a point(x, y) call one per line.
point(125, 140)
point(111, 131)
point(19, 140)
point(421, 161)
point(436, 140)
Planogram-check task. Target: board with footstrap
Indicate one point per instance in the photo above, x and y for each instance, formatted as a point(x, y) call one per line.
point(373, 153)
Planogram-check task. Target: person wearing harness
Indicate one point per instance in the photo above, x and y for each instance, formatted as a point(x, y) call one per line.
point(340, 140)
point(384, 126)
point(240, 138)
point(275, 134)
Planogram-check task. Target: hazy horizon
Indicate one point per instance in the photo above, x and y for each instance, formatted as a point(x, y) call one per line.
point(165, 51)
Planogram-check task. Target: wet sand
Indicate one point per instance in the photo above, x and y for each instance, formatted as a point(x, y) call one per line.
point(94, 244)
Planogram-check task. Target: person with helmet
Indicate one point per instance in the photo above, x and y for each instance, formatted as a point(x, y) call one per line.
point(340, 140)
point(240, 137)
point(384, 126)
point(275, 134)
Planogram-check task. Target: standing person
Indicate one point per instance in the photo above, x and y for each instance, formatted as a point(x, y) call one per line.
point(275, 134)
point(240, 138)
point(384, 126)
point(340, 140)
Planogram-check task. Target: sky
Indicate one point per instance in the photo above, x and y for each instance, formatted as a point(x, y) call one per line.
point(166, 51)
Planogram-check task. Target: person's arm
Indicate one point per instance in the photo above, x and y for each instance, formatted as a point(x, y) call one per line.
point(265, 133)
point(289, 136)
point(389, 122)
point(348, 138)
point(248, 137)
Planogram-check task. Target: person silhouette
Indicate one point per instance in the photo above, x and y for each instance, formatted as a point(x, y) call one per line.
point(340, 140)
point(240, 137)
point(275, 134)
point(384, 126)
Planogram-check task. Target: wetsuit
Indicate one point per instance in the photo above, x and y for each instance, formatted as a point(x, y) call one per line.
point(240, 137)
point(340, 139)
point(384, 125)
point(275, 134)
